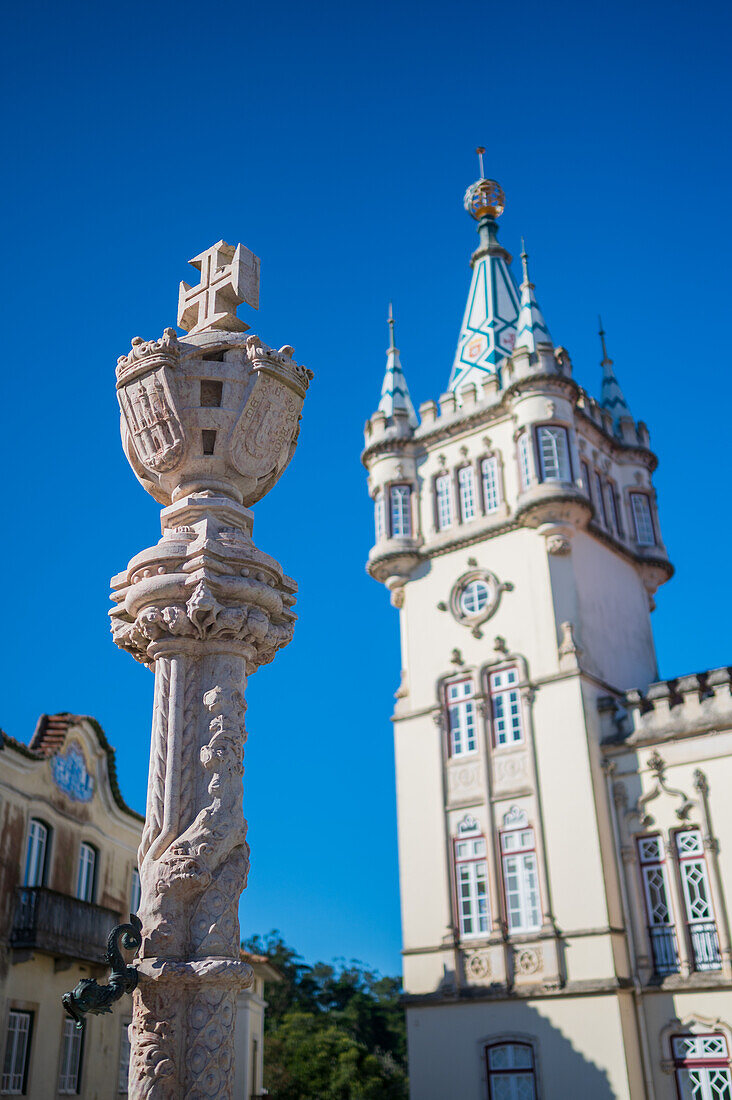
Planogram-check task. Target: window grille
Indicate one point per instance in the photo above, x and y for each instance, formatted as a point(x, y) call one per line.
point(461, 717)
point(506, 707)
point(491, 493)
point(35, 860)
point(525, 460)
point(521, 880)
point(471, 875)
point(135, 891)
point(443, 495)
point(659, 914)
point(644, 533)
point(511, 1074)
point(600, 498)
point(123, 1073)
point(17, 1052)
point(554, 454)
point(70, 1072)
point(466, 486)
point(702, 1068)
point(401, 514)
point(697, 900)
point(379, 515)
point(85, 877)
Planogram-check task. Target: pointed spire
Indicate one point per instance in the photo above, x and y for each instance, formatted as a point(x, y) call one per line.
point(488, 331)
point(612, 396)
point(532, 328)
point(394, 391)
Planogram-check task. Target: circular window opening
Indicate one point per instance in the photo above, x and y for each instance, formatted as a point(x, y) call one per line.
point(474, 597)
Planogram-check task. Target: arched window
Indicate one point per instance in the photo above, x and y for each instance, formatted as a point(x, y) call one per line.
point(510, 1069)
point(87, 872)
point(701, 1063)
point(36, 856)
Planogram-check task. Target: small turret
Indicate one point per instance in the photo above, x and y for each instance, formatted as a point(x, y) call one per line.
point(395, 399)
point(531, 326)
point(613, 398)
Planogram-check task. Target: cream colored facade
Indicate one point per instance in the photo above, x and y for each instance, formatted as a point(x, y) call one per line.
point(65, 780)
point(565, 827)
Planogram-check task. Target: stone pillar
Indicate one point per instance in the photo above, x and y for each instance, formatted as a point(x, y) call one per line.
point(209, 423)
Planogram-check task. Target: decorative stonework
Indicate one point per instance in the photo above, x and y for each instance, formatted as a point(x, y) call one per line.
point(478, 965)
point(475, 597)
point(528, 960)
point(204, 608)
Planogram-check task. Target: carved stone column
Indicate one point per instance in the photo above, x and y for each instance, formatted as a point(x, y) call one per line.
point(208, 425)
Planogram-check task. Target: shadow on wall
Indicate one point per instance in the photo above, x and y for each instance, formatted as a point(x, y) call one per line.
point(447, 1057)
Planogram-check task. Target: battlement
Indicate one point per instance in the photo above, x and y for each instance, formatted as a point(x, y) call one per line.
point(694, 704)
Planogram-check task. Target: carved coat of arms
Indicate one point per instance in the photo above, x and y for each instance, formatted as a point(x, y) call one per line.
point(145, 388)
point(267, 427)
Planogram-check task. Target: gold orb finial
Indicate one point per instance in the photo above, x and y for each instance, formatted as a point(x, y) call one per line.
point(485, 199)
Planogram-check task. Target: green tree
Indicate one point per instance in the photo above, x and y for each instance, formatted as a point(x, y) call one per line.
point(333, 1032)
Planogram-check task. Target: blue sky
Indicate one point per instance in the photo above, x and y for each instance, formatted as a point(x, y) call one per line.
point(336, 141)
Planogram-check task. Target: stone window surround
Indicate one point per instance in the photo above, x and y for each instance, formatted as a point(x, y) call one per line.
point(531, 1041)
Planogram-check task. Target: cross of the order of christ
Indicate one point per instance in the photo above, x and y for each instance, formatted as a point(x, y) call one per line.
point(229, 276)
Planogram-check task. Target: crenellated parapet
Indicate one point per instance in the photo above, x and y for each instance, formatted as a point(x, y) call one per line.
point(669, 709)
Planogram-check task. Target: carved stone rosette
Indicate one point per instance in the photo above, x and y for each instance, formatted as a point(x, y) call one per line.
point(204, 608)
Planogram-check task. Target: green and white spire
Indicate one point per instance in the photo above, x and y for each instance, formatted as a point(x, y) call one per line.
point(532, 328)
point(488, 332)
point(394, 391)
point(612, 398)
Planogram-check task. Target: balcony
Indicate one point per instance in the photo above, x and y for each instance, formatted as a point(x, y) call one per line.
point(59, 925)
point(663, 945)
point(705, 945)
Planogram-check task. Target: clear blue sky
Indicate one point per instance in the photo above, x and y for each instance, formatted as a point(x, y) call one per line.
point(336, 141)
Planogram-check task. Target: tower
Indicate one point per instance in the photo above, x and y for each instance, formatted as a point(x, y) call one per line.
point(517, 533)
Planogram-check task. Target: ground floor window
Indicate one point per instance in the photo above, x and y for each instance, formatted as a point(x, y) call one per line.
point(17, 1052)
point(702, 1067)
point(511, 1072)
point(70, 1070)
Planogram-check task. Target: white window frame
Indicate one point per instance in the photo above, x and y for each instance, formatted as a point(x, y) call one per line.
point(519, 860)
point(526, 460)
point(135, 890)
point(554, 460)
point(123, 1067)
point(400, 510)
point(86, 873)
point(471, 887)
point(466, 487)
point(36, 855)
point(443, 502)
point(640, 507)
point(701, 1064)
point(16, 1059)
point(379, 515)
point(461, 718)
point(507, 718)
point(490, 479)
point(514, 1071)
point(71, 1051)
point(697, 894)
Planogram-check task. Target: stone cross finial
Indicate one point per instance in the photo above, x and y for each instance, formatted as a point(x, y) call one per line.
point(229, 276)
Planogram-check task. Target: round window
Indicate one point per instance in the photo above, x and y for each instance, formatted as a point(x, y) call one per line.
point(474, 597)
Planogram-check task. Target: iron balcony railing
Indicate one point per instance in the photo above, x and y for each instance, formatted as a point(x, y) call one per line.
point(665, 953)
point(705, 945)
point(60, 925)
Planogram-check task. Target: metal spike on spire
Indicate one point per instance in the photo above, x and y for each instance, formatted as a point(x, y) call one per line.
point(480, 150)
point(394, 391)
point(613, 398)
point(532, 328)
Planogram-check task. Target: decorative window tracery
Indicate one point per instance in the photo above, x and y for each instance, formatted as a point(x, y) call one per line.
point(642, 519)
